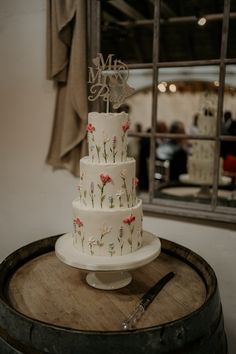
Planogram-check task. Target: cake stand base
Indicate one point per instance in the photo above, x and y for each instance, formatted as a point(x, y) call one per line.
point(108, 280)
point(204, 192)
point(205, 188)
point(108, 273)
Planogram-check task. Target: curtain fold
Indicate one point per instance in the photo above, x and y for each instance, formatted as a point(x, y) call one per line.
point(67, 67)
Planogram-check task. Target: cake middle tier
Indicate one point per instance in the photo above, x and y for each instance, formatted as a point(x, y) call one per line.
point(107, 185)
point(107, 232)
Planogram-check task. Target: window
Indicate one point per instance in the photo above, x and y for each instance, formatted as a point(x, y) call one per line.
point(182, 60)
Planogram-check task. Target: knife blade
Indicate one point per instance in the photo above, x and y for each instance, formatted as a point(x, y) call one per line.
point(146, 300)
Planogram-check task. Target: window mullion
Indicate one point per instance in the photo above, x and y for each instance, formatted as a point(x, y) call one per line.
point(155, 59)
point(224, 40)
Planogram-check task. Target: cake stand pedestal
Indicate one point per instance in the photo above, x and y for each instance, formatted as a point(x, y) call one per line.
point(108, 273)
point(205, 188)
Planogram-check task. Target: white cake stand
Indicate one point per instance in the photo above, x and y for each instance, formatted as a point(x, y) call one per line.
point(108, 273)
point(204, 191)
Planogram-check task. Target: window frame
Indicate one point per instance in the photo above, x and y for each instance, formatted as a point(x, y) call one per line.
point(211, 211)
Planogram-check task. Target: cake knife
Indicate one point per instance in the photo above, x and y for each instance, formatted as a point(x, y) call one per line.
point(146, 300)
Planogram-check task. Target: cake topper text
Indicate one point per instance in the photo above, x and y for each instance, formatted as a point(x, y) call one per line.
point(108, 80)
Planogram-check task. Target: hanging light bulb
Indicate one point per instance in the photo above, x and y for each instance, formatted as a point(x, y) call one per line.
point(202, 21)
point(162, 87)
point(172, 88)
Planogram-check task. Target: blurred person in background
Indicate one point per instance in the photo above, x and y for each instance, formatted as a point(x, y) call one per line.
point(144, 154)
point(175, 151)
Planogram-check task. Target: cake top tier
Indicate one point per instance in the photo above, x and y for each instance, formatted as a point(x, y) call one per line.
point(207, 122)
point(107, 137)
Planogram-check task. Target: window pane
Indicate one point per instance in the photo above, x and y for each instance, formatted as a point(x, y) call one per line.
point(227, 197)
point(140, 102)
point(187, 172)
point(139, 149)
point(227, 184)
point(184, 93)
point(231, 53)
point(229, 104)
point(127, 30)
point(190, 30)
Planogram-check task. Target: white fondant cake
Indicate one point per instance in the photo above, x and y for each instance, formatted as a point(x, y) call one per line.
point(200, 164)
point(201, 161)
point(107, 214)
point(97, 191)
point(107, 138)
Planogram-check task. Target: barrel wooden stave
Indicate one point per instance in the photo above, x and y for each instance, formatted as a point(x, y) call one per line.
point(200, 332)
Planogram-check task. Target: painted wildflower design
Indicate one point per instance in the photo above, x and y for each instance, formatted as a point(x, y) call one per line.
point(140, 237)
point(124, 186)
point(104, 231)
point(91, 244)
point(92, 193)
point(80, 191)
point(121, 239)
point(92, 152)
point(98, 148)
point(135, 182)
point(113, 148)
point(78, 230)
point(91, 129)
point(129, 221)
point(84, 197)
point(119, 197)
point(105, 179)
point(111, 201)
point(105, 141)
point(80, 186)
point(125, 126)
point(111, 248)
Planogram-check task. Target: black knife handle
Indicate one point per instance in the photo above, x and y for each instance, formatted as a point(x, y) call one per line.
point(152, 292)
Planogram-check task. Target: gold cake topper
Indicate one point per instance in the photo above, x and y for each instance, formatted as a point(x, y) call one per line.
point(108, 80)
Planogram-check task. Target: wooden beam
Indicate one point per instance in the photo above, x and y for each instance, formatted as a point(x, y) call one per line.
point(126, 9)
point(108, 17)
point(166, 11)
point(175, 20)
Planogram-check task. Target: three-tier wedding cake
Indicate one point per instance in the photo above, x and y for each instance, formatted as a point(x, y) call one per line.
point(107, 213)
point(201, 160)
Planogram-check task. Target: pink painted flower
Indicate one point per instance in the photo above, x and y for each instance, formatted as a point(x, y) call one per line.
point(125, 126)
point(136, 182)
point(105, 179)
point(78, 222)
point(90, 128)
point(129, 219)
point(114, 140)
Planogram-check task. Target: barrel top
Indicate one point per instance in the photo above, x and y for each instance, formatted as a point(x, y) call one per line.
point(45, 289)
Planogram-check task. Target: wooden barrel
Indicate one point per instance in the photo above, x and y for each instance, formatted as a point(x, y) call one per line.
point(47, 307)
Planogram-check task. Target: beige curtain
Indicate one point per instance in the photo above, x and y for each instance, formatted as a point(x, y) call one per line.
point(67, 67)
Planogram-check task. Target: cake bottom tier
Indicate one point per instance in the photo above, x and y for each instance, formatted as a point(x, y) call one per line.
point(107, 232)
point(200, 170)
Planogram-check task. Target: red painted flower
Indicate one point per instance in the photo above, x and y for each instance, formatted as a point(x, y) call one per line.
point(125, 126)
point(136, 182)
point(105, 179)
point(90, 128)
point(129, 219)
point(78, 222)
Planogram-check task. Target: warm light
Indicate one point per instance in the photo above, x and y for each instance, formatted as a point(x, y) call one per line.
point(216, 83)
point(172, 88)
point(162, 87)
point(201, 21)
